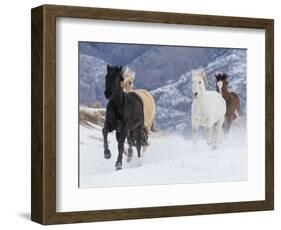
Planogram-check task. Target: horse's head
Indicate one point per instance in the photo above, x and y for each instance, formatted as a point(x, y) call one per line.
point(129, 77)
point(113, 80)
point(221, 82)
point(199, 82)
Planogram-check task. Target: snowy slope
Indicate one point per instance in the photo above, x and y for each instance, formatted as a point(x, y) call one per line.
point(170, 158)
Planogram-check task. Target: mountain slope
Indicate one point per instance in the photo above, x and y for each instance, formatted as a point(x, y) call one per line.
point(91, 79)
point(166, 72)
point(163, 64)
point(113, 53)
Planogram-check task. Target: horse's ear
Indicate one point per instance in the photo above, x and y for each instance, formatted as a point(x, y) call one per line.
point(108, 67)
point(224, 76)
point(120, 68)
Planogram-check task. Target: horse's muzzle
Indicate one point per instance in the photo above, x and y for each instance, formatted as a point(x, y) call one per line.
point(107, 94)
point(195, 95)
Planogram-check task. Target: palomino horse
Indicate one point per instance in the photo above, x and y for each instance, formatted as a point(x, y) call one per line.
point(208, 109)
point(149, 107)
point(124, 113)
point(231, 98)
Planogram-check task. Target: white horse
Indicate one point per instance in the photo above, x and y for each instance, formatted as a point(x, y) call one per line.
point(208, 109)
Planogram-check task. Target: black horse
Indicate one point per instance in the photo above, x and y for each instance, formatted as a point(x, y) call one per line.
point(124, 114)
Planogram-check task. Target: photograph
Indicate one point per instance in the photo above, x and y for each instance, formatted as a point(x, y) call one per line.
point(154, 114)
point(142, 114)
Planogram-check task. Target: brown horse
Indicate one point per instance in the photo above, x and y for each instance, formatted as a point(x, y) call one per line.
point(149, 107)
point(231, 98)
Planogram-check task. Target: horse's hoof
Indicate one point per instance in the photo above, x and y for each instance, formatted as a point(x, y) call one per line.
point(107, 154)
point(214, 147)
point(118, 166)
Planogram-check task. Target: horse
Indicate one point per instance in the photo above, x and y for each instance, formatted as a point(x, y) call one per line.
point(149, 106)
point(124, 113)
point(231, 98)
point(208, 109)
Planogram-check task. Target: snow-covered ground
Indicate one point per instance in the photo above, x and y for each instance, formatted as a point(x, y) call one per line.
point(170, 158)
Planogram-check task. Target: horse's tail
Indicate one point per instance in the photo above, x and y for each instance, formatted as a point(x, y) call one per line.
point(152, 127)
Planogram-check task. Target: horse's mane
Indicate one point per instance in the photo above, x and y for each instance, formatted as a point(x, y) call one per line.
point(128, 74)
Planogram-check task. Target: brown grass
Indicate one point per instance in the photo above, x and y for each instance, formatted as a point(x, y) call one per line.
point(94, 117)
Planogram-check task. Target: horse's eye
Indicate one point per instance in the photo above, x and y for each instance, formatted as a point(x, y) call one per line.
point(130, 83)
point(199, 82)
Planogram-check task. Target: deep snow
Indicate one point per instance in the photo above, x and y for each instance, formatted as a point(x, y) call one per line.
point(170, 158)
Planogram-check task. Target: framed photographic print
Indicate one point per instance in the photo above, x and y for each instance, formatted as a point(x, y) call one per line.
point(141, 114)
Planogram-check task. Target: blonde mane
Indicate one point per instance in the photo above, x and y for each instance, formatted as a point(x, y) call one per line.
point(129, 77)
point(149, 106)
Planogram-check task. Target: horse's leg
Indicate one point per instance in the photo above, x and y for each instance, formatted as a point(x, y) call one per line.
point(139, 137)
point(214, 136)
point(228, 125)
point(130, 153)
point(217, 131)
point(121, 140)
point(210, 132)
point(107, 154)
point(145, 133)
point(152, 127)
point(221, 134)
point(209, 135)
point(130, 139)
point(195, 127)
point(145, 143)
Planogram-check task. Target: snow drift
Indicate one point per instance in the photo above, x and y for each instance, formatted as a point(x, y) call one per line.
point(170, 158)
